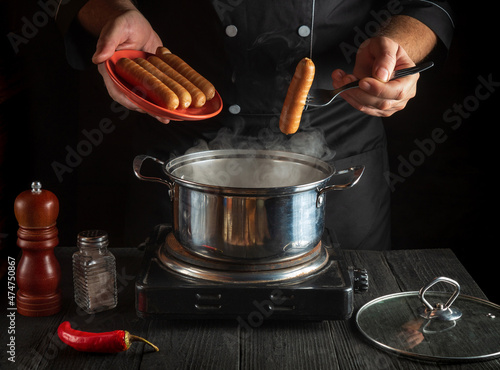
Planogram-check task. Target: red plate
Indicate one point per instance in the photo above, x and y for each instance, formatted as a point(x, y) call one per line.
point(210, 109)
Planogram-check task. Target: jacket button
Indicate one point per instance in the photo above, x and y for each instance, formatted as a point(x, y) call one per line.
point(231, 30)
point(304, 31)
point(234, 109)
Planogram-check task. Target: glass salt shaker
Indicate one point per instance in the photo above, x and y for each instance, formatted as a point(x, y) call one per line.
point(94, 272)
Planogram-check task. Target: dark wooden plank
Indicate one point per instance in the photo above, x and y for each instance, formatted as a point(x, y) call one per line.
point(414, 269)
point(289, 345)
point(193, 344)
point(36, 345)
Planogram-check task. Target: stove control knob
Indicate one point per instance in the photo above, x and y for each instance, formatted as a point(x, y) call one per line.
point(360, 280)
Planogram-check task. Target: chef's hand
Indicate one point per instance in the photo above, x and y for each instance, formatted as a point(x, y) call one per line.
point(376, 60)
point(128, 30)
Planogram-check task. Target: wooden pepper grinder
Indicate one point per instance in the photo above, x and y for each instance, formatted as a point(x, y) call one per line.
point(38, 272)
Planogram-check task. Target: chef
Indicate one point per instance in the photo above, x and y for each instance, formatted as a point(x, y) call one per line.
point(249, 51)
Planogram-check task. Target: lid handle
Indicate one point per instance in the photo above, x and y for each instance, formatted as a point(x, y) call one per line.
point(440, 311)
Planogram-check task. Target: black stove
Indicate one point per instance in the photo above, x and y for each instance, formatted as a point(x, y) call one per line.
point(173, 283)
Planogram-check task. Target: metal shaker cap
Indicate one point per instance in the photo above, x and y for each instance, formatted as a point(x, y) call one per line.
point(93, 238)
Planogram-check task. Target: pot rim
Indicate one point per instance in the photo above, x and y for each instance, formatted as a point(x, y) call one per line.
point(327, 169)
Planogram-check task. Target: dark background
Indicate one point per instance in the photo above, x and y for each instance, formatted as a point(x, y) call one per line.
point(445, 201)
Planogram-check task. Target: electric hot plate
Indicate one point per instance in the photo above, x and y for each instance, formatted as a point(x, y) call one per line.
point(173, 283)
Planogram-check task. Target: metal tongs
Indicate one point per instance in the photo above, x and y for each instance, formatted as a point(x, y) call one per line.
point(322, 97)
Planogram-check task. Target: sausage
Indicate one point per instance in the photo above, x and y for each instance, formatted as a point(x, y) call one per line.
point(183, 95)
point(291, 113)
point(197, 96)
point(162, 50)
point(153, 88)
point(185, 69)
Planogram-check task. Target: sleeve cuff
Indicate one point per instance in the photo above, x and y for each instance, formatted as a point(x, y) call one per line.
point(66, 13)
point(79, 44)
point(437, 15)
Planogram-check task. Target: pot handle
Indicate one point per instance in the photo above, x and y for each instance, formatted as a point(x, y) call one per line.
point(137, 164)
point(357, 172)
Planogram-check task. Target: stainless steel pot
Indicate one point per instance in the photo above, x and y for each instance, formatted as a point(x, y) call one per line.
point(248, 206)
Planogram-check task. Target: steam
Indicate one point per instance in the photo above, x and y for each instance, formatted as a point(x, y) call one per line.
point(253, 172)
point(311, 142)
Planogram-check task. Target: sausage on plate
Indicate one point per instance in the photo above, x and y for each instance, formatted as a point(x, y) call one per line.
point(183, 95)
point(152, 87)
point(187, 71)
point(198, 97)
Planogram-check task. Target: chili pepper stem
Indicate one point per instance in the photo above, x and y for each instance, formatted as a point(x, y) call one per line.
point(134, 338)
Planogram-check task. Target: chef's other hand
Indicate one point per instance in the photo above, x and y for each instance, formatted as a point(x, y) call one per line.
point(124, 28)
point(376, 60)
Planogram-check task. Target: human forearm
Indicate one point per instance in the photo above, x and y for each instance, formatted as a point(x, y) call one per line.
point(415, 38)
point(96, 13)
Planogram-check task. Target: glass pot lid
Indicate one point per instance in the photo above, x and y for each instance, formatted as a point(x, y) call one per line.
point(433, 326)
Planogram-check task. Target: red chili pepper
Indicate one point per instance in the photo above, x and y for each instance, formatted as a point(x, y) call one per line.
point(108, 342)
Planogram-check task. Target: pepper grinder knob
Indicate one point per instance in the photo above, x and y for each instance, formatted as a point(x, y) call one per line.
point(38, 272)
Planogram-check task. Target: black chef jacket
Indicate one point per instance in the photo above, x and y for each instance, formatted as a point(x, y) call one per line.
point(249, 49)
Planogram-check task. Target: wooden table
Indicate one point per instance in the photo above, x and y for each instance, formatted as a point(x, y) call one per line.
point(208, 344)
